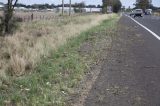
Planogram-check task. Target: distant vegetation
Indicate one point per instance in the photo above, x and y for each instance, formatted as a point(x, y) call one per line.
point(143, 4)
point(51, 6)
point(116, 5)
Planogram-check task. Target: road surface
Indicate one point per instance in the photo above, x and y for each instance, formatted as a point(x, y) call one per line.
point(151, 22)
point(130, 76)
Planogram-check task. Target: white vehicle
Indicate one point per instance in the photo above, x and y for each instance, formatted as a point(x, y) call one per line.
point(148, 12)
point(138, 13)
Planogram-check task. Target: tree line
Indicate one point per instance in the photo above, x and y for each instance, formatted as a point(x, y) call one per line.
point(145, 4)
point(51, 6)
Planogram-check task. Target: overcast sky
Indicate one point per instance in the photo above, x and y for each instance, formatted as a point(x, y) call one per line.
point(124, 2)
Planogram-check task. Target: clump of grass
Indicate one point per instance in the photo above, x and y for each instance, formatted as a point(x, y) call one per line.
point(54, 78)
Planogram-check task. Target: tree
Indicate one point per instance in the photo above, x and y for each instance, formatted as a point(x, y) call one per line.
point(21, 5)
point(7, 21)
point(99, 6)
point(9, 14)
point(128, 9)
point(78, 7)
point(104, 5)
point(143, 4)
point(116, 5)
point(91, 6)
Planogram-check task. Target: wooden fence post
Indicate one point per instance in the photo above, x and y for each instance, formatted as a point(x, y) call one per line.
point(32, 17)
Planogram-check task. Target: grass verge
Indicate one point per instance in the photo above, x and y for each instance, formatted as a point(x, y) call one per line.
point(56, 76)
point(22, 51)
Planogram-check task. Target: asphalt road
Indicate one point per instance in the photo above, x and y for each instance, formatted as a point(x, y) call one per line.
point(151, 22)
point(130, 76)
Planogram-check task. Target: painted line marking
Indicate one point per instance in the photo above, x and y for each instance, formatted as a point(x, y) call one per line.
point(154, 34)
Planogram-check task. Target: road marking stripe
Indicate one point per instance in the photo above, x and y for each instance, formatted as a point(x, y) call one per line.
point(154, 34)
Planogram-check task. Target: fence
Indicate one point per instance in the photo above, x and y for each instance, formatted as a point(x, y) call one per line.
point(36, 17)
point(30, 18)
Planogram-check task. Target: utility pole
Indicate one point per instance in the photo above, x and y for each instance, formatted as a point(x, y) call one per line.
point(62, 7)
point(70, 4)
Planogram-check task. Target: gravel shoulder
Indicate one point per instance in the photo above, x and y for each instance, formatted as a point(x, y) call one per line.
point(96, 49)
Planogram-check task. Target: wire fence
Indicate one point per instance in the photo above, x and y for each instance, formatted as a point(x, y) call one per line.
point(22, 16)
point(31, 18)
point(35, 17)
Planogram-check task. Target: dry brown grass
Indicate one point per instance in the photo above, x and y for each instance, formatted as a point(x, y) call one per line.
point(21, 52)
point(157, 13)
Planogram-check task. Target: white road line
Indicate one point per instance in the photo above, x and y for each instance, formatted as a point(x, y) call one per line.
point(154, 34)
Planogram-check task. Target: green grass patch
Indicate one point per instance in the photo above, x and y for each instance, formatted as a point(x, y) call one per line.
point(55, 77)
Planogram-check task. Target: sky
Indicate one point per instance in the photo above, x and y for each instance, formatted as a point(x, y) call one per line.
point(125, 3)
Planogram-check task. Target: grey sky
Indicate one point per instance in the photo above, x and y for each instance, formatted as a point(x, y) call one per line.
point(124, 2)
